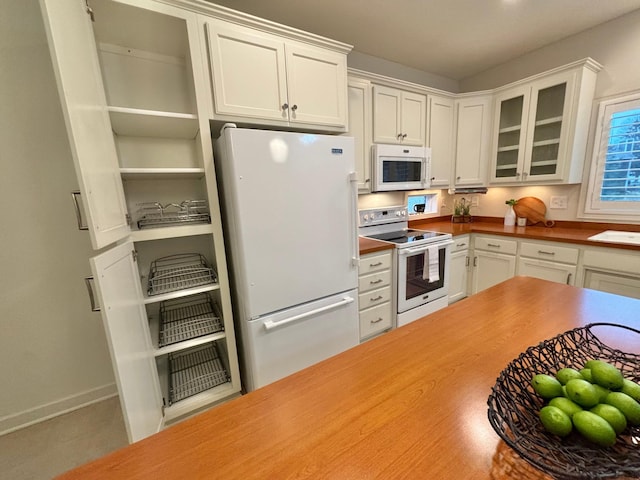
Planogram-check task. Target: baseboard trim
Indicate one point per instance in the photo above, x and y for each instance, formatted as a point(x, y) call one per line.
point(16, 421)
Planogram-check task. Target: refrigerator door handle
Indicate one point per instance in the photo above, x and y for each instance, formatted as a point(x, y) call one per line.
point(270, 324)
point(353, 179)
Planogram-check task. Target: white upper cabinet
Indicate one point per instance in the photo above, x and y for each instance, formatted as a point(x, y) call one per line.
point(84, 105)
point(399, 116)
point(473, 138)
point(541, 127)
point(360, 130)
point(262, 78)
point(440, 139)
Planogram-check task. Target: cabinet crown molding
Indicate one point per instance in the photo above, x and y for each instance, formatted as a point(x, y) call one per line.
point(227, 14)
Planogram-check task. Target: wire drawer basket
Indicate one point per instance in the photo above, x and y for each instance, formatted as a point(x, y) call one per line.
point(514, 406)
point(178, 272)
point(186, 318)
point(154, 214)
point(195, 371)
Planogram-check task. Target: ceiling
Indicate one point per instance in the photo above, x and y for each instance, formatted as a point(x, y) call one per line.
point(452, 38)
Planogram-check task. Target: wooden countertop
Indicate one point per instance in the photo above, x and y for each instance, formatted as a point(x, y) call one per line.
point(567, 232)
point(408, 404)
point(370, 245)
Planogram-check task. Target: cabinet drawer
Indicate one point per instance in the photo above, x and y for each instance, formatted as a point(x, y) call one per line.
point(460, 243)
point(375, 320)
point(374, 297)
point(498, 245)
point(374, 280)
point(553, 253)
point(375, 263)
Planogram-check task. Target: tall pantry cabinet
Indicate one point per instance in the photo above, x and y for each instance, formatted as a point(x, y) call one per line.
point(134, 97)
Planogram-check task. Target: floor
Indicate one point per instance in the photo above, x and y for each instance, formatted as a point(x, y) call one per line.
point(47, 449)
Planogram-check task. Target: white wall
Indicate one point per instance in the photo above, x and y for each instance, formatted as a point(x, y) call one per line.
point(381, 66)
point(53, 350)
point(614, 44)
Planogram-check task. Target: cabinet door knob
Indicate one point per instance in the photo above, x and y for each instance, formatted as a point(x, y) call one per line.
point(285, 106)
point(458, 178)
point(399, 136)
point(404, 135)
point(294, 108)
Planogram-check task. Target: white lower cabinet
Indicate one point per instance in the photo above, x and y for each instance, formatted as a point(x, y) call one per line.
point(459, 268)
point(611, 270)
point(375, 293)
point(494, 261)
point(548, 261)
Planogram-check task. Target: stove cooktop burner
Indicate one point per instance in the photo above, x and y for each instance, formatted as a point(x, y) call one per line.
point(407, 236)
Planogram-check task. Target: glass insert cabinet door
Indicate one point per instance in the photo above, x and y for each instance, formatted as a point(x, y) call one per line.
point(547, 130)
point(530, 131)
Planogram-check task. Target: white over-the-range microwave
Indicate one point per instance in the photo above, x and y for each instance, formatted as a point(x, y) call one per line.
point(400, 167)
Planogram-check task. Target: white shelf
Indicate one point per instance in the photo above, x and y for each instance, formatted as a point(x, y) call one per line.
point(136, 122)
point(176, 347)
point(510, 148)
point(513, 128)
point(177, 293)
point(544, 163)
point(548, 121)
point(153, 173)
point(171, 232)
point(507, 167)
point(543, 143)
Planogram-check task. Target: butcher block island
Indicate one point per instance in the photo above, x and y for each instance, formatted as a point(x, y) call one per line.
point(409, 404)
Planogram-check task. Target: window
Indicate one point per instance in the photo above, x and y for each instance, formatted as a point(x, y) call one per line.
point(420, 204)
point(614, 186)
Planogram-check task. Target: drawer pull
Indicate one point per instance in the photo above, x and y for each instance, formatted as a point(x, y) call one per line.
point(568, 279)
point(493, 245)
point(374, 282)
point(461, 245)
point(542, 252)
point(375, 264)
point(379, 297)
point(377, 321)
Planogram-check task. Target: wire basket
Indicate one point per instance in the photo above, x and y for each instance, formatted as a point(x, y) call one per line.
point(187, 318)
point(179, 272)
point(514, 406)
point(154, 214)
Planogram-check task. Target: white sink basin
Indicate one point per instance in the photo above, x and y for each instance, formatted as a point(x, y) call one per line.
point(617, 236)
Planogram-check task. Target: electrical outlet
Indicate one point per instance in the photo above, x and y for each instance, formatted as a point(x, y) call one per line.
point(475, 201)
point(558, 202)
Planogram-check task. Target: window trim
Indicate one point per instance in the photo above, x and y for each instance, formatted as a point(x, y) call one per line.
point(591, 207)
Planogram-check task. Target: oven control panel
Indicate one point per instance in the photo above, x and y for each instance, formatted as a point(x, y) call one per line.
point(383, 215)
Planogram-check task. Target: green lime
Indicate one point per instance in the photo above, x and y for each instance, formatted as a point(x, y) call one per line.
point(627, 405)
point(602, 392)
point(606, 375)
point(582, 392)
point(565, 374)
point(588, 363)
point(612, 415)
point(595, 428)
point(586, 374)
point(631, 388)
point(555, 421)
point(546, 386)
point(567, 406)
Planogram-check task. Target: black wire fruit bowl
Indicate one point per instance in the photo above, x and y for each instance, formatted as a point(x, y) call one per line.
point(514, 407)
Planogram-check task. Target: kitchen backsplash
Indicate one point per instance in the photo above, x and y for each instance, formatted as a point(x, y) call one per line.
point(491, 204)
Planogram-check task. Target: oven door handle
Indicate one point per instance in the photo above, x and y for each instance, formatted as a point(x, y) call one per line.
point(408, 251)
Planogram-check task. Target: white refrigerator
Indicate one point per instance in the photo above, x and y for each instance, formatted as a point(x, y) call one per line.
point(290, 218)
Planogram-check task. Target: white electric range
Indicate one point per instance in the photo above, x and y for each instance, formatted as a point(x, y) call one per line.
point(422, 260)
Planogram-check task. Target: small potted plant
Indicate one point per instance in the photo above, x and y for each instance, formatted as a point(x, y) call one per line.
point(510, 216)
point(461, 211)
